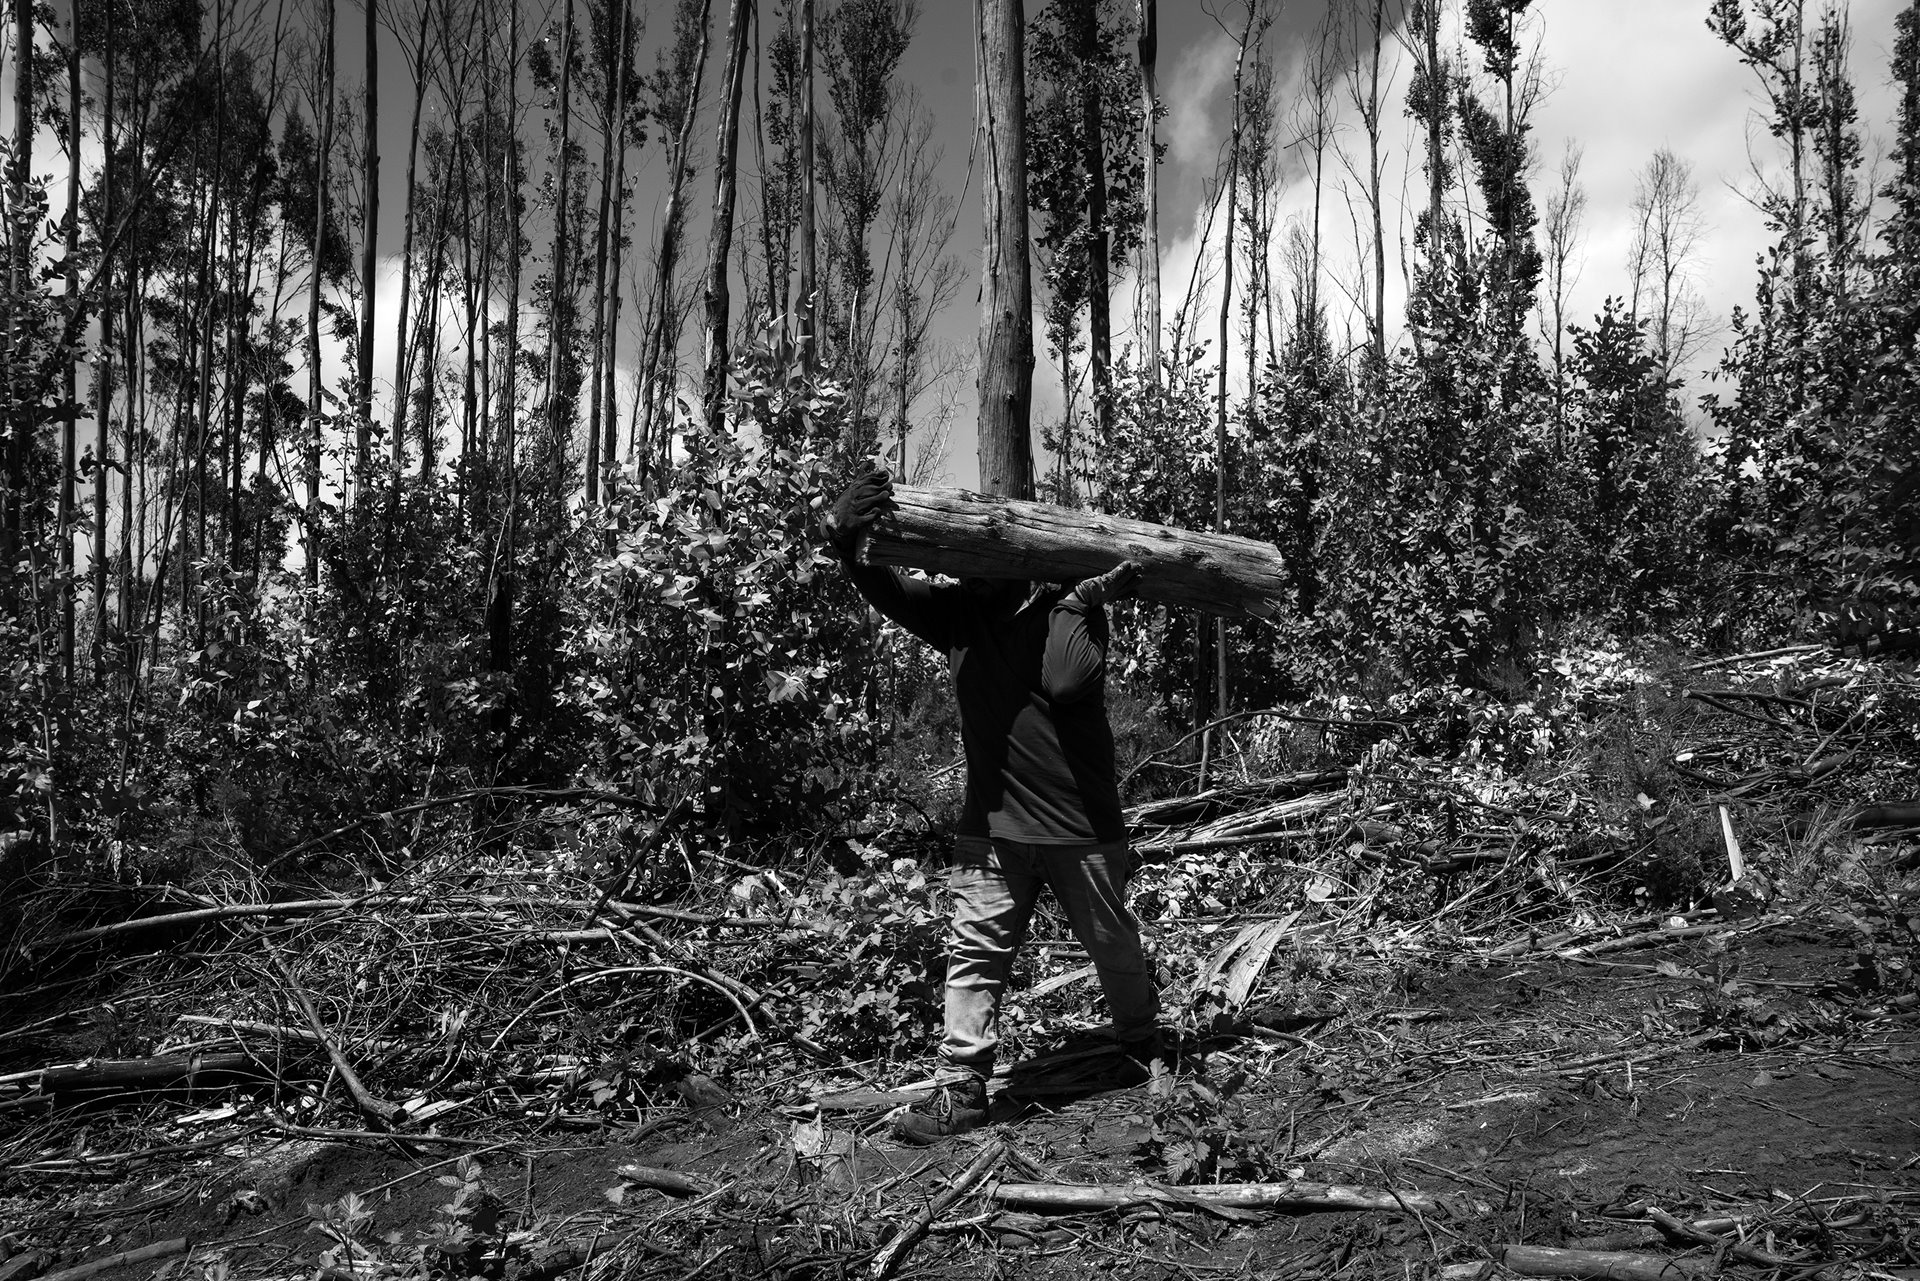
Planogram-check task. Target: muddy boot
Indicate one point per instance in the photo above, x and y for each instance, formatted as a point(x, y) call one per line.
point(954, 1108)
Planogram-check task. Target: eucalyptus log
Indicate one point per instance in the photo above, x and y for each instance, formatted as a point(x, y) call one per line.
point(967, 535)
point(1294, 1194)
point(1599, 1265)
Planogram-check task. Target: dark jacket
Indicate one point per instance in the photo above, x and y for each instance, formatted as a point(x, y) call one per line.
point(1031, 690)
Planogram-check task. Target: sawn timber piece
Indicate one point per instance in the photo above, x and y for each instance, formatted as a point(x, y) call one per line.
point(968, 535)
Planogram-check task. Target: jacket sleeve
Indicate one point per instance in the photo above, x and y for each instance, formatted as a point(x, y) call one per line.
point(1074, 667)
point(919, 607)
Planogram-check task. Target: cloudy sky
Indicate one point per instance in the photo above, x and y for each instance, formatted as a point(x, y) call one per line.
point(1626, 78)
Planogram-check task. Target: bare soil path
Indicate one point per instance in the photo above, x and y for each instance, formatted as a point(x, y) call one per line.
point(1743, 1080)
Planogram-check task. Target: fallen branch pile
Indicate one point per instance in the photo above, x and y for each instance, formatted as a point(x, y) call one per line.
point(486, 1009)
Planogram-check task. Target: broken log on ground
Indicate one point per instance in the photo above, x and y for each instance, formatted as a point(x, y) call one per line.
point(1600, 1265)
point(167, 1071)
point(967, 535)
point(1291, 1195)
point(123, 1259)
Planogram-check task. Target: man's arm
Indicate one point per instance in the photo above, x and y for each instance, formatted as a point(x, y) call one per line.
point(1075, 662)
point(913, 604)
point(909, 602)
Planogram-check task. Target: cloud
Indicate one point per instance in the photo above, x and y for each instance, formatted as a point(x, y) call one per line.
point(1196, 89)
point(1628, 78)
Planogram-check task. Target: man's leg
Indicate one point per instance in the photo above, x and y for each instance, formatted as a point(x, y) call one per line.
point(994, 890)
point(1091, 883)
point(994, 886)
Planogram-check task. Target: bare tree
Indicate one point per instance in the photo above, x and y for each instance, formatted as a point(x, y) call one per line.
point(316, 428)
point(1565, 212)
point(1093, 162)
point(417, 54)
point(1365, 41)
point(1258, 169)
point(1149, 309)
point(369, 245)
point(924, 278)
point(675, 89)
point(1664, 257)
point(720, 234)
point(1312, 124)
point(1235, 142)
point(614, 47)
point(862, 42)
point(560, 286)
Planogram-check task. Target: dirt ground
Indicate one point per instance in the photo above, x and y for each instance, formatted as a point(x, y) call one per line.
point(1748, 1081)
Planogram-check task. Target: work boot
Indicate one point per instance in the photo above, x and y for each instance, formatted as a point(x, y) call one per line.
point(954, 1108)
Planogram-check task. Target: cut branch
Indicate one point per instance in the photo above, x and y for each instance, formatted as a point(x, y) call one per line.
point(978, 536)
point(379, 1111)
point(911, 1233)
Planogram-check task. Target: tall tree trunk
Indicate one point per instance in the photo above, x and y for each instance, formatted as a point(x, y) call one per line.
point(1220, 392)
point(501, 582)
point(1005, 380)
point(720, 235)
point(1150, 191)
point(103, 365)
point(1436, 129)
point(369, 259)
point(70, 372)
point(560, 295)
point(207, 291)
point(662, 330)
point(315, 386)
point(1373, 181)
point(611, 130)
point(809, 284)
point(403, 350)
point(17, 425)
point(423, 346)
point(470, 296)
point(1093, 160)
point(610, 332)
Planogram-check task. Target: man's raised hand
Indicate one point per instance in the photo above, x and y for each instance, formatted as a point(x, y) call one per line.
point(1116, 584)
point(858, 506)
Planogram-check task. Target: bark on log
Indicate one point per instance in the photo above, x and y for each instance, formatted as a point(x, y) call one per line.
point(199, 1070)
point(1892, 814)
point(124, 1259)
point(1229, 1196)
point(951, 531)
point(1602, 1265)
point(672, 1182)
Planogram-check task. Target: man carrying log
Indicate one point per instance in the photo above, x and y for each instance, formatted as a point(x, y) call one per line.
point(1042, 807)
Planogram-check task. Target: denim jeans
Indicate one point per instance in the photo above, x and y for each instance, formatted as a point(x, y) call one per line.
point(995, 885)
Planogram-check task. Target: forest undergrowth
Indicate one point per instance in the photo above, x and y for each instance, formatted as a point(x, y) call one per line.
point(715, 1032)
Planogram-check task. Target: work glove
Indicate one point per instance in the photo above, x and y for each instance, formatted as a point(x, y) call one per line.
point(858, 506)
point(1116, 584)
